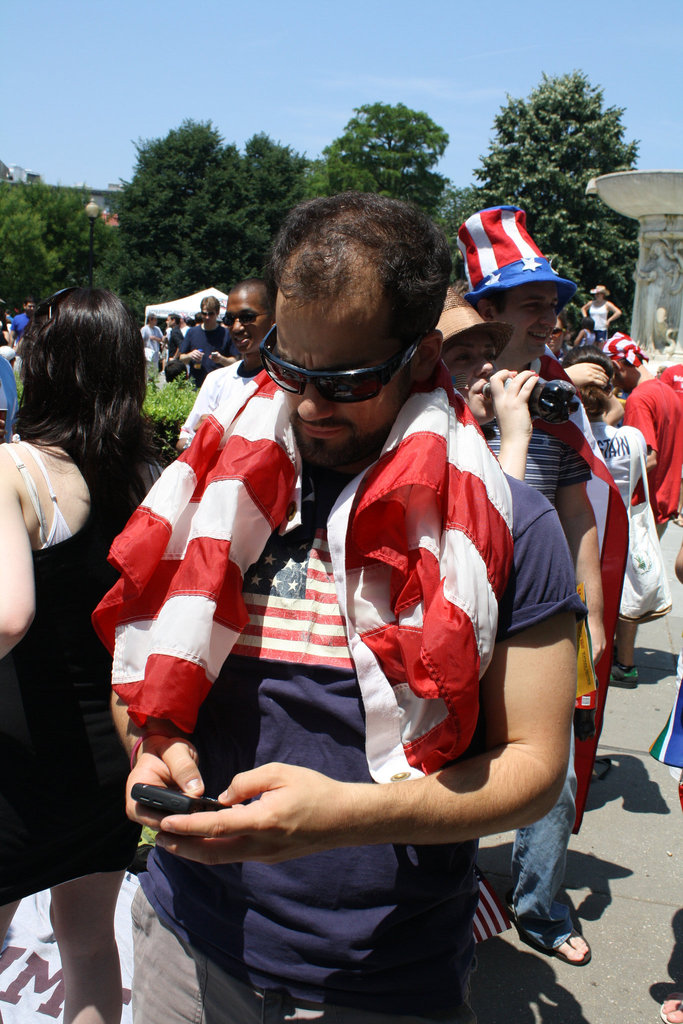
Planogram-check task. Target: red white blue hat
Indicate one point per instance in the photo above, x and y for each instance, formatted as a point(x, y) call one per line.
point(621, 346)
point(499, 254)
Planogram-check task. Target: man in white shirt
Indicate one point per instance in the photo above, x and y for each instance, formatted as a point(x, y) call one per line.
point(249, 318)
point(152, 339)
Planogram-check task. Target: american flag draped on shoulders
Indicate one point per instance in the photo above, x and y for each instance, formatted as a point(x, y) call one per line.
point(612, 523)
point(421, 548)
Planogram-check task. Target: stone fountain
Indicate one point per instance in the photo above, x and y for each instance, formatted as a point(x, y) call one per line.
point(655, 199)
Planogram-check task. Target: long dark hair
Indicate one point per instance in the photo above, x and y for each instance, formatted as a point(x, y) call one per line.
point(83, 371)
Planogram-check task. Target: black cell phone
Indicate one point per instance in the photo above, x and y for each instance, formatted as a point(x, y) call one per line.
point(170, 801)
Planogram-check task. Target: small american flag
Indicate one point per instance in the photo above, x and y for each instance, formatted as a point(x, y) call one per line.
point(294, 613)
point(490, 917)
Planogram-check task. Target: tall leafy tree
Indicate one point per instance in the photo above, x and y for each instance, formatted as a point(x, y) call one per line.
point(387, 149)
point(173, 235)
point(44, 240)
point(197, 213)
point(456, 205)
point(274, 182)
point(544, 151)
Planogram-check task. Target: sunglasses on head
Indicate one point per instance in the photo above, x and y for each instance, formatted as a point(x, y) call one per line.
point(245, 316)
point(47, 306)
point(333, 385)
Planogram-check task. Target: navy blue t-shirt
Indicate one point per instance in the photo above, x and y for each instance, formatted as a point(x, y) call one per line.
point(385, 927)
point(217, 340)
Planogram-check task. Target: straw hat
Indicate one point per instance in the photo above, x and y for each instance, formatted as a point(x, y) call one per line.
point(600, 288)
point(459, 318)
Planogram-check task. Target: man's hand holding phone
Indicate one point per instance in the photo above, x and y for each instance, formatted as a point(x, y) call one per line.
point(167, 762)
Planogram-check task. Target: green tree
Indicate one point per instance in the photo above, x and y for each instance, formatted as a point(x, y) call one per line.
point(197, 213)
point(456, 205)
point(173, 236)
point(386, 149)
point(274, 182)
point(544, 152)
point(44, 240)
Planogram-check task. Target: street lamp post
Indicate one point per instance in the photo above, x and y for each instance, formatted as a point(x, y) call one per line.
point(92, 212)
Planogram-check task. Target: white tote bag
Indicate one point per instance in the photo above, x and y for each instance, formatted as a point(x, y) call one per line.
point(646, 594)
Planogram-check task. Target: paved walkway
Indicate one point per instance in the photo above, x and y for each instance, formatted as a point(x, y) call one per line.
point(624, 871)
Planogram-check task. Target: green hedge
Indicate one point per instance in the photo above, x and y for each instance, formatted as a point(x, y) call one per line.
point(168, 408)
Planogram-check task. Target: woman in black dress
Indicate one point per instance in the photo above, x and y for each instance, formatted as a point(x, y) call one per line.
point(66, 488)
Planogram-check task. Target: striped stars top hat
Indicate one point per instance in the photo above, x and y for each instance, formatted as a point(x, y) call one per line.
point(500, 254)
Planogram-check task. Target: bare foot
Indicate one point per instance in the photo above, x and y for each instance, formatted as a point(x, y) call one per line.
point(672, 1008)
point(575, 950)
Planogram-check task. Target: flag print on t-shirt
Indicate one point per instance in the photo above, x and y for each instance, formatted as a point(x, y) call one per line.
point(293, 610)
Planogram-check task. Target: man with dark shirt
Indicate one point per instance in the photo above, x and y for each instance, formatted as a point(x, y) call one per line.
point(322, 648)
point(174, 335)
point(207, 346)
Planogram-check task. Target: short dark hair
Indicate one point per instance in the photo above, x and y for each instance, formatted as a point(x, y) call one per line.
point(173, 316)
point(259, 285)
point(323, 243)
point(83, 368)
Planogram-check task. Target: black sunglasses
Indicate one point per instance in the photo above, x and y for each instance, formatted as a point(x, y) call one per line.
point(44, 308)
point(333, 385)
point(245, 316)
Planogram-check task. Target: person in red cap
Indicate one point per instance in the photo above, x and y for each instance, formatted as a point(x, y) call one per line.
point(653, 408)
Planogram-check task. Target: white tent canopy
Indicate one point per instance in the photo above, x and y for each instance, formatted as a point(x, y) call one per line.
point(191, 304)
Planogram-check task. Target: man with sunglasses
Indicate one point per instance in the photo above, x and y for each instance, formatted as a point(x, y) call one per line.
point(206, 346)
point(249, 318)
point(309, 617)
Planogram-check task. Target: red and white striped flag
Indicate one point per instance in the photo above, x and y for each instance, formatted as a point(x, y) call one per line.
point(490, 917)
point(420, 545)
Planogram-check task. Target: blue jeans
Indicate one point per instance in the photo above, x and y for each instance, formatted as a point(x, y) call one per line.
point(539, 857)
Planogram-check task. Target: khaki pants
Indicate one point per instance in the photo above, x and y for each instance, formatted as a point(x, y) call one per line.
point(174, 983)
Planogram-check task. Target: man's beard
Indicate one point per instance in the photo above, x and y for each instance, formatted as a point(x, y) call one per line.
point(358, 446)
point(353, 449)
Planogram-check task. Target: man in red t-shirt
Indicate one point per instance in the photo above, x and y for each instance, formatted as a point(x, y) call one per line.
point(655, 410)
point(673, 376)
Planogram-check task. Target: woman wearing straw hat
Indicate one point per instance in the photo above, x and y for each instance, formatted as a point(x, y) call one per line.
point(601, 312)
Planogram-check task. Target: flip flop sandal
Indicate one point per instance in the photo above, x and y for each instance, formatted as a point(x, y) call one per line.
point(529, 940)
point(672, 997)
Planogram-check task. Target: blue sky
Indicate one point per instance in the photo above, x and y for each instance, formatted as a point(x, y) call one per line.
point(85, 81)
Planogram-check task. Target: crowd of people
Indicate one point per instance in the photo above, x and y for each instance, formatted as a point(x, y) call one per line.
point(395, 500)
